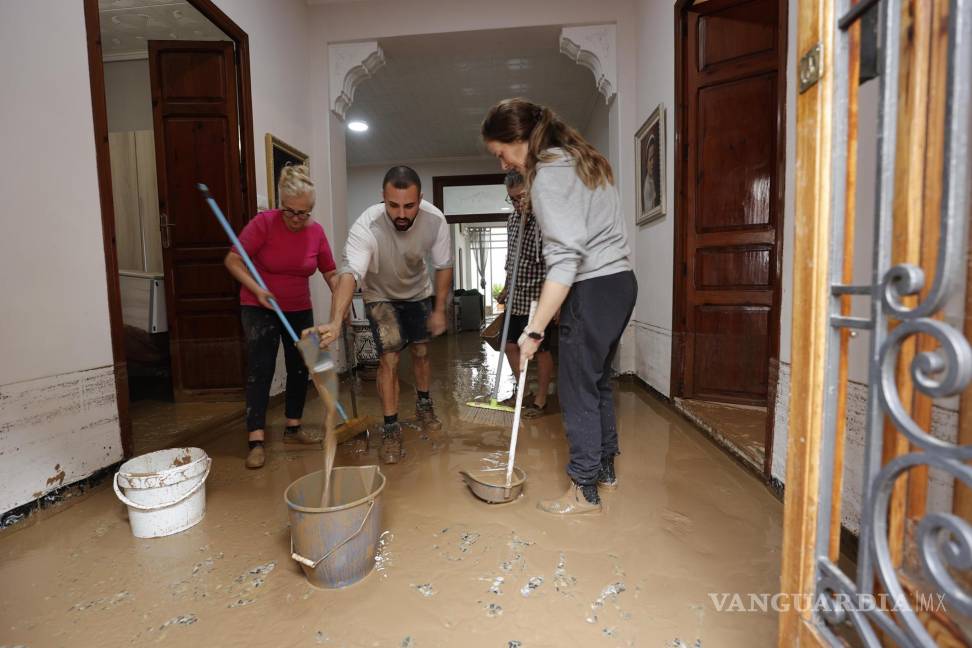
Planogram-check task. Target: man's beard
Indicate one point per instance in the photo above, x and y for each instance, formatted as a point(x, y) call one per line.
point(402, 224)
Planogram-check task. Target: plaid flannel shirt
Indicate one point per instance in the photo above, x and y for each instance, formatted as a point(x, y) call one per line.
point(532, 269)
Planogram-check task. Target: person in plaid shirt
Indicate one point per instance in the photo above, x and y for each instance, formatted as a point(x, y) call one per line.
point(529, 280)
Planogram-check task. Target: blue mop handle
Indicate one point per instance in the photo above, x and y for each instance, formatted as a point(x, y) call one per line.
point(246, 257)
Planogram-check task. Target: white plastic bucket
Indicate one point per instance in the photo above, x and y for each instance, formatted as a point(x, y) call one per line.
point(165, 491)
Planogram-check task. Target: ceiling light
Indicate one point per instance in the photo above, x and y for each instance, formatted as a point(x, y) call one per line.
point(358, 126)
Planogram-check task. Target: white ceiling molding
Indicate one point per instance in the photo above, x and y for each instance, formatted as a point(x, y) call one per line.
point(125, 56)
point(351, 63)
point(594, 47)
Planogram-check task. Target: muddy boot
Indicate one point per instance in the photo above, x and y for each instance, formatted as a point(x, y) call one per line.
point(578, 500)
point(425, 414)
point(607, 477)
point(391, 443)
point(294, 434)
point(257, 456)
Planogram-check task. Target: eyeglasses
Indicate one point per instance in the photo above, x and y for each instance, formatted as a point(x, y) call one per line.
point(293, 213)
point(513, 201)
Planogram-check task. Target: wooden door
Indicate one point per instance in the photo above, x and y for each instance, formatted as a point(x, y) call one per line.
point(729, 199)
point(197, 139)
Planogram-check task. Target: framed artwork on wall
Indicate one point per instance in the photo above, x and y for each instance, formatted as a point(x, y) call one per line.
point(279, 155)
point(650, 167)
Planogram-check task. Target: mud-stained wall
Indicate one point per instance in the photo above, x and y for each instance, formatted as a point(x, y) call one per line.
point(58, 420)
point(55, 431)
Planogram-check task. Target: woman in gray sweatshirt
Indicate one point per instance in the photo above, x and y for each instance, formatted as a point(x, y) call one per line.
point(589, 280)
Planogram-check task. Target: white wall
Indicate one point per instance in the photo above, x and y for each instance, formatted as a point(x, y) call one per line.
point(58, 419)
point(364, 182)
point(655, 242)
point(128, 95)
point(598, 130)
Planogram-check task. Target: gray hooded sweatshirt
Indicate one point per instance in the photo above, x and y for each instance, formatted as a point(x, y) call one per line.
point(584, 234)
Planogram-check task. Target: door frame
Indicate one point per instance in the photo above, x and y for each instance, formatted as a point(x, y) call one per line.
point(679, 269)
point(99, 109)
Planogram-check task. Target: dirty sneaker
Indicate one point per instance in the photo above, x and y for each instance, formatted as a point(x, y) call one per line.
point(425, 413)
point(607, 477)
point(511, 401)
point(580, 499)
point(391, 443)
point(295, 434)
point(256, 457)
point(533, 410)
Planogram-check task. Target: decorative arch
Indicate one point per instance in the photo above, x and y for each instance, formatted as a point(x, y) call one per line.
point(594, 47)
point(351, 63)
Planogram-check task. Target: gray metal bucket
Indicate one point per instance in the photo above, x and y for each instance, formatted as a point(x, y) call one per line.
point(335, 546)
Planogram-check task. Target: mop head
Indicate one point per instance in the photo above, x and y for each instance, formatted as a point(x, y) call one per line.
point(488, 412)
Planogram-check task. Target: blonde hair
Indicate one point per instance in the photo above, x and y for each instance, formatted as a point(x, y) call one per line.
point(519, 120)
point(295, 181)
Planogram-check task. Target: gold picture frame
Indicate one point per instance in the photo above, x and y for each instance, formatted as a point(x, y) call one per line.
point(279, 155)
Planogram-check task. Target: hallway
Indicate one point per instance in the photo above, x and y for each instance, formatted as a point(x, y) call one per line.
point(686, 521)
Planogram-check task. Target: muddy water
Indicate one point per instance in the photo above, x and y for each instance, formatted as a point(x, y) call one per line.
point(453, 571)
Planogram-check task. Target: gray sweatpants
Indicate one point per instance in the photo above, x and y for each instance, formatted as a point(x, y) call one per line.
point(592, 319)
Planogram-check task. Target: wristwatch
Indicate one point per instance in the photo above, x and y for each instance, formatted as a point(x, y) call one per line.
point(534, 335)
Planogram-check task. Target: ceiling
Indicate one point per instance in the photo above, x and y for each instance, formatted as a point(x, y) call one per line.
point(127, 25)
point(430, 97)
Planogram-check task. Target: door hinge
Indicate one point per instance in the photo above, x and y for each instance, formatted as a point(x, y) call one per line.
point(810, 70)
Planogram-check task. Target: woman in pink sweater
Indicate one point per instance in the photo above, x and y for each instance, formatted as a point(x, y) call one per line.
point(287, 247)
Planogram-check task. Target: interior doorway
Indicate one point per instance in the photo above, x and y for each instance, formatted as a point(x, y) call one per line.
point(171, 105)
point(730, 82)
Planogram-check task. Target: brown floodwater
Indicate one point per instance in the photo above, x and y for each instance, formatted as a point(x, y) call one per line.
point(451, 570)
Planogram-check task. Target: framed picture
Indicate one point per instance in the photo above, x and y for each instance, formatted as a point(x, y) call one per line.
point(650, 166)
point(279, 155)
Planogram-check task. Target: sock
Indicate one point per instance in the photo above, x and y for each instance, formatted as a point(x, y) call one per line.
point(392, 418)
point(254, 444)
point(423, 395)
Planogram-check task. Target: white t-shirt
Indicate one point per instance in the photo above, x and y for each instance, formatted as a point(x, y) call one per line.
point(390, 265)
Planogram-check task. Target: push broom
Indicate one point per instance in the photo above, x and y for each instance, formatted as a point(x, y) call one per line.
point(317, 362)
point(492, 412)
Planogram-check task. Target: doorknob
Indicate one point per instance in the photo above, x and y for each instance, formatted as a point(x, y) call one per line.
point(164, 225)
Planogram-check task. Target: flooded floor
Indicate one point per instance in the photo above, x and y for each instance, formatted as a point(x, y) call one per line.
point(161, 424)
point(686, 526)
point(740, 427)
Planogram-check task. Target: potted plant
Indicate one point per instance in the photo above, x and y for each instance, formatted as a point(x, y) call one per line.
point(497, 289)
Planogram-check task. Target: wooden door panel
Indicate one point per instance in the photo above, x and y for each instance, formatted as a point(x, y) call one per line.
point(737, 159)
point(735, 32)
point(734, 268)
point(205, 281)
point(212, 354)
point(193, 77)
point(197, 140)
point(727, 307)
point(743, 373)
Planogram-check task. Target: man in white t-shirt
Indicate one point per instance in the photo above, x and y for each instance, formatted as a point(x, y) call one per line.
point(386, 256)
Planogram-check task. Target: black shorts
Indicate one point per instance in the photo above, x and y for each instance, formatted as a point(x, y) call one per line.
point(519, 322)
point(396, 324)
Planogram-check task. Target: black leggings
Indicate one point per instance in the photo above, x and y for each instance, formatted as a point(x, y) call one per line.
point(264, 332)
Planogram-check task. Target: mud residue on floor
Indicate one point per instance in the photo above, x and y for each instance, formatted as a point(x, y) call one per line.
point(450, 570)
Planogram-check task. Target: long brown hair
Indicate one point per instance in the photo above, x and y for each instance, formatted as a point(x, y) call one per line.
point(519, 120)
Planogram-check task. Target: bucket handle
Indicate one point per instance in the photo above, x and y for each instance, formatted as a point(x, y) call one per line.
point(312, 564)
point(155, 507)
